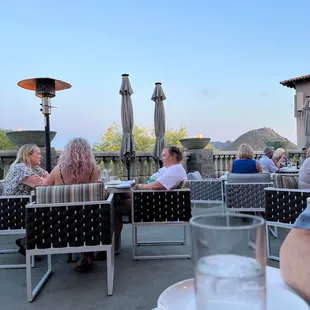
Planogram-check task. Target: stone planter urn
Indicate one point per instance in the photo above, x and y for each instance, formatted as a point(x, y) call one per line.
point(195, 143)
point(22, 137)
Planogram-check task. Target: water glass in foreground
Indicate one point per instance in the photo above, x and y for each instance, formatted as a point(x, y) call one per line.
point(229, 254)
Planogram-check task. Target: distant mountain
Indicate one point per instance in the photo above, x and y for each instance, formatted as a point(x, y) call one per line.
point(220, 145)
point(257, 138)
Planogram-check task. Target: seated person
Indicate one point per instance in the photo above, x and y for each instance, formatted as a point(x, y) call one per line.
point(266, 161)
point(24, 174)
point(295, 256)
point(168, 177)
point(76, 165)
point(245, 162)
point(304, 173)
point(279, 158)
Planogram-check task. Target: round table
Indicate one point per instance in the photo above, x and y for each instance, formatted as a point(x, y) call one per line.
point(273, 277)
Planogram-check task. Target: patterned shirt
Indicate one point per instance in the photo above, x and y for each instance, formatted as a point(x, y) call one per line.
point(12, 185)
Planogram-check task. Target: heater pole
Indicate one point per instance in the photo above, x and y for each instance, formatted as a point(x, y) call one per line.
point(47, 143)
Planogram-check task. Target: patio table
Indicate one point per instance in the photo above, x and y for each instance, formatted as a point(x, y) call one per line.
point(273, 278)
point(292, 169)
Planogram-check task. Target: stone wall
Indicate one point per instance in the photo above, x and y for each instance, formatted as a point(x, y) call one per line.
point(201, 160)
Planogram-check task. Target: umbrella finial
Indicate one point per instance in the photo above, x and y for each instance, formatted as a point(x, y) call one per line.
point(158, 83)
point(125, 74)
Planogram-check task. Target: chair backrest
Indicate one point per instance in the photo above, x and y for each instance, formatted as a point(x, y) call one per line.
point(285, 180)
point(206, 190)
point(70, 193)
point(161, 206)
point(1, 187)
point(13, 212)
point(285, 205)
point(70, 215)
point(246, 191)
point(248, 177)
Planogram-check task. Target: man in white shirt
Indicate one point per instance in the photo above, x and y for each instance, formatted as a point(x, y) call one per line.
point(266, 161)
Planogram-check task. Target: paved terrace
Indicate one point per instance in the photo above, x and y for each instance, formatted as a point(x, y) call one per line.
point(137, 284)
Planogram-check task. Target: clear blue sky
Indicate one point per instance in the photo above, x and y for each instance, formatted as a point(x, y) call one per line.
point(220, 63)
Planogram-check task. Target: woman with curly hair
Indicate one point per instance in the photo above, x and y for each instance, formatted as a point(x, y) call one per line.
point(76, 165)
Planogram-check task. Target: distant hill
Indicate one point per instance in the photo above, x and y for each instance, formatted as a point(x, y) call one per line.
point(256, 138)
point(220, 145)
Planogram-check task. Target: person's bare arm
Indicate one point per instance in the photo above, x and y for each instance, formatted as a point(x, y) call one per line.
point(33, 180)
point(230, 167)
point(259, 167)
point(96, 175)
point(153, 185)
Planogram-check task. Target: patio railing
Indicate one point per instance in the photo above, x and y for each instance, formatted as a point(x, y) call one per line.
point(144, 165)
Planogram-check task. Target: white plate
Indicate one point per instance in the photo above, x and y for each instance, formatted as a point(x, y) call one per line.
point(115, 182)
point(122, 186)
point(181, 296)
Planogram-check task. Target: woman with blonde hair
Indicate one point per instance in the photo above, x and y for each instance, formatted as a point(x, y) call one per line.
point(279, 157)
point(25, 172)
point(76, 165)
point(245, 162)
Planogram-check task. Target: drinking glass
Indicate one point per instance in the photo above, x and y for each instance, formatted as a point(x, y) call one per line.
point(229, 255)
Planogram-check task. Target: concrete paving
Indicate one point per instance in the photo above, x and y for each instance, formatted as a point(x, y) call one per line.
point(137, 284)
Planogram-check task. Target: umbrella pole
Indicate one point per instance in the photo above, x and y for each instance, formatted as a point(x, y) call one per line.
point(128, 169)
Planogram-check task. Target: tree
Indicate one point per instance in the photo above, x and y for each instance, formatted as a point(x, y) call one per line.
point(144, 138)
point(5, 143)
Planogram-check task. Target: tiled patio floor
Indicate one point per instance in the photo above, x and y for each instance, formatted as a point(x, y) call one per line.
point(137, 284)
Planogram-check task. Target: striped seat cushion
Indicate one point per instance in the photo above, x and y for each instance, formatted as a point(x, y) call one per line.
point(285, 180)
point(70, 193)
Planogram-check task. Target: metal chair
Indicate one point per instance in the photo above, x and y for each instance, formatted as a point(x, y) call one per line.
point(158, 208)
point(283, 206)
point(69, 227)
point(12, 222)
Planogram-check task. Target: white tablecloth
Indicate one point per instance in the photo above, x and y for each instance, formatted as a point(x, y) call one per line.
point(273, 278)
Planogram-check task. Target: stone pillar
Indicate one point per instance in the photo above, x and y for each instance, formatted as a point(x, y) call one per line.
point(201, 160)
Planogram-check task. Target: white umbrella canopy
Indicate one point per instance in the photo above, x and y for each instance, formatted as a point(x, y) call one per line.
point(306, 118)
point(127, 151)
point(159, 120)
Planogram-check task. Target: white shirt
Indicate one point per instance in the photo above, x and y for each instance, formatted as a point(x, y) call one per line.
point(170, 177)
point(267, 164)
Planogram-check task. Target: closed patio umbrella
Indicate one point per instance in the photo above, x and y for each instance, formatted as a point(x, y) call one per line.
point(127, 151)
point(159, 120)
point(306, 118)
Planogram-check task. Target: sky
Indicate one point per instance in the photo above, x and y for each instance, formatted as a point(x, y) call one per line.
point(220, 63)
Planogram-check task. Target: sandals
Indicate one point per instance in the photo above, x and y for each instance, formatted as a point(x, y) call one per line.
point(86, 264)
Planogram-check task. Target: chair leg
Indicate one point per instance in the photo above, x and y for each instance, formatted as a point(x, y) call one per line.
point(274, 232)
point(184, 243)
point(267, 241)
point(134, 241)
point(31, 294)
point(110, 269)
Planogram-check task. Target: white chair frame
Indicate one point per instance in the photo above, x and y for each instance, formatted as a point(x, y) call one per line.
point(109, 249)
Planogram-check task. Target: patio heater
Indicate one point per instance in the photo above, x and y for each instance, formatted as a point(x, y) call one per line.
point(45, 88)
